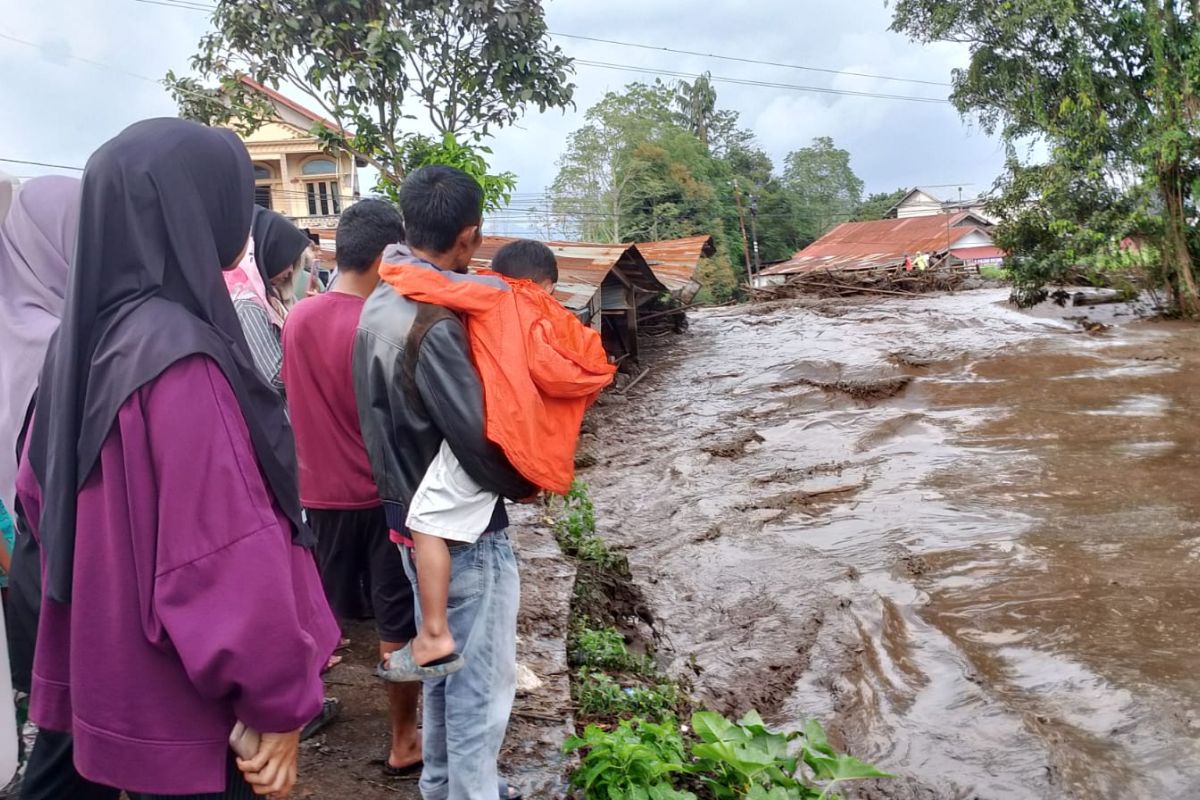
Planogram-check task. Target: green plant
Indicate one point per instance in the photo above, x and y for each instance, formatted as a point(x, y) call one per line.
point(637, 760)
point(992, 273)
point(600, 695)
point(575, 531)
point(605, 649)
point(745, 759)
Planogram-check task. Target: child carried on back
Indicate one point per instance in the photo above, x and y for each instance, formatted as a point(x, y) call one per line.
point(540, 369)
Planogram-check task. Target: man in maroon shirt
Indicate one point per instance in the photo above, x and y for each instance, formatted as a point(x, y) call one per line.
point(336, 485)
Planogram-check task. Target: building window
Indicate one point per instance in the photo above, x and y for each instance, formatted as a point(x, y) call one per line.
point(324, 198)
point(262, 185)
point(319, 166)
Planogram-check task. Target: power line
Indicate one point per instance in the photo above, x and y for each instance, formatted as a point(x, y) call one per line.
point(762, 84)
point(39, 164)
point(179, 4)
point(742, 60)
point(192, 6)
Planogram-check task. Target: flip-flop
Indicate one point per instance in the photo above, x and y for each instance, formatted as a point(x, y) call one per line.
point(331, 663)
point(402, 772)
point(331, 709)
point(509, 792)
point(400, 667)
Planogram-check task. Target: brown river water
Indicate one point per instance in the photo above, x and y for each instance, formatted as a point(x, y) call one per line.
point(965, 537)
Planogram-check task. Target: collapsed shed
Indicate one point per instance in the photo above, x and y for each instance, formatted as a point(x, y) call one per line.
point(604, 285)
point(676, 262)
point(855, 252)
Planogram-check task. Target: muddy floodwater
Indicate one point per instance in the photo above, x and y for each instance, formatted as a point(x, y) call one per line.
point(965, 537)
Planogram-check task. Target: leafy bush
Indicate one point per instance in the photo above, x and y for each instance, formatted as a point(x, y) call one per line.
point(605, 649)
point(730, 760)
point(600, 695)
point(745, 759)
point(638, 760)
point(575, 531)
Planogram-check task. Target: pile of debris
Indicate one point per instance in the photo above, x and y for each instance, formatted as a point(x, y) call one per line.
point(843, 283)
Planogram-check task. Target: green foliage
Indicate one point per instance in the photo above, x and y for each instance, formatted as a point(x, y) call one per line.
point(372, 66)
point(657, 162)
point(877, 206)
point(421, 151)
point(1109, 89)
point(575, 532)
point(728, 760)
point(823, 188)
point(993, 273)
point(600, 695)
point(638, 760)
point(605, 649)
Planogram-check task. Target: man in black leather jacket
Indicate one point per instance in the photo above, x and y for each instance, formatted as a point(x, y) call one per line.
point(416, 386)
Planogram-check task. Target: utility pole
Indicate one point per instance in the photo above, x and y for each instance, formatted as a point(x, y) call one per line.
point(737, 196)
point(754, 231)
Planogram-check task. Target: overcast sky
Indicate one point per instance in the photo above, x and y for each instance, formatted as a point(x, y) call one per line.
point(58, 108)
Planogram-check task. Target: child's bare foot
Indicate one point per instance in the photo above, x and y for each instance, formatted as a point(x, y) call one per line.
point(428, 650)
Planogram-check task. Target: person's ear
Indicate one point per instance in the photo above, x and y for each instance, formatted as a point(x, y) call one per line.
point(469, 238)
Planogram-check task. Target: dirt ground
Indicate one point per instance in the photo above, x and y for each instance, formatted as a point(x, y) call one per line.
point(346, 761)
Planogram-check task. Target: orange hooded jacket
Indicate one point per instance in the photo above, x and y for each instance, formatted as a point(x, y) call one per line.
point(540, 367)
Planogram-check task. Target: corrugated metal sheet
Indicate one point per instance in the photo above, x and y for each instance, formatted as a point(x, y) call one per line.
point(879, 244)
point(991, 253)
point(675, 261)
point(583, 267)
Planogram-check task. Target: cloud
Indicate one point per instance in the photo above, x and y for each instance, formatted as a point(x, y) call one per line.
point(59, 108)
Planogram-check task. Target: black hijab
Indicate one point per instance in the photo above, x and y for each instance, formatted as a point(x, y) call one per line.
point(165, 206)
point(278, 244)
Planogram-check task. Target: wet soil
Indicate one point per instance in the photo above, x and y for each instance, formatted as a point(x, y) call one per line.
point(346, 761)
point(965, 537)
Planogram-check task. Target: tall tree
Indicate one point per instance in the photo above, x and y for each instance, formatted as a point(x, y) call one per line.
point(599, 171)
point(823, 187)
point(468, 66)
point(697, 103)
point(1109, 87)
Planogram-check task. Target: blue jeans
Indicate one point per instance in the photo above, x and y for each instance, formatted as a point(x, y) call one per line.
point(466, 714)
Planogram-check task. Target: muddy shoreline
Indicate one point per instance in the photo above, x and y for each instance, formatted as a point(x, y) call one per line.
point(966, 538)
point(963, 536)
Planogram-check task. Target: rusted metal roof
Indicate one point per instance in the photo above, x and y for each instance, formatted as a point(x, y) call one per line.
point(675, 261)
point(582, 268)
point(879, 244)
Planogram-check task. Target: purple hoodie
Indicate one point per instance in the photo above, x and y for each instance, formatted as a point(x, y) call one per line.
point(191, 607)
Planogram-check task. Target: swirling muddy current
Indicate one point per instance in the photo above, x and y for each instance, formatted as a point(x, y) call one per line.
point(965, 537)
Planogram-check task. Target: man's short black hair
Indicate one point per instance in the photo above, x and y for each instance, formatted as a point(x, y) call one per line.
point(364, 230)
point(526, 259)
point(438, 202)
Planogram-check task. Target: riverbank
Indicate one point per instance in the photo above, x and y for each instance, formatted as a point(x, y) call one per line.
point(965, 538)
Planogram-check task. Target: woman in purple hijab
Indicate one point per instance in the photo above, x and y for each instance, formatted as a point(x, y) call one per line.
point(180, 596)
point(37, 241)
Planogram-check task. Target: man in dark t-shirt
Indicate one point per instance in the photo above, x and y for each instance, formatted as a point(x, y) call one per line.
point(337, 488)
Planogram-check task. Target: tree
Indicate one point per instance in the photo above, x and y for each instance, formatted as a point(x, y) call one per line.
point(597, 173)
point(697, 102)
point(877, 205)
point(824, 189)
point(469, 66)
point(1109, 87)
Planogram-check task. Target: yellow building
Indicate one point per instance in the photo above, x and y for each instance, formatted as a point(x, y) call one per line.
point(294, 174)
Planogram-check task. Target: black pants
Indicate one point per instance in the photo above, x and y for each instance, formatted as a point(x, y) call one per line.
point(355, 556)
point(51, 775)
